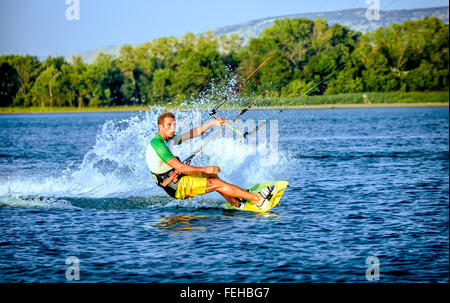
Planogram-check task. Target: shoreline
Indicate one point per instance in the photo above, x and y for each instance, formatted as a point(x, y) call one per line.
point(145, 108)
point(375, 105)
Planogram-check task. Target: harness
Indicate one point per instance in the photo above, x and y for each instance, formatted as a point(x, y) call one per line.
point(168, 181)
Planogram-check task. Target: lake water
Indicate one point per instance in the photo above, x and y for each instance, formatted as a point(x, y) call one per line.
point(363, 183)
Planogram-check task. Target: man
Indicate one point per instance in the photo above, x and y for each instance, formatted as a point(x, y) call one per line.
point(184, 181)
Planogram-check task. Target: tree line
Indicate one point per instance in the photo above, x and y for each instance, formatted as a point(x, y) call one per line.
point(412, 56)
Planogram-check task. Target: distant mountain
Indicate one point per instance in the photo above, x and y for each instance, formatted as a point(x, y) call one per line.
point(89, 56)
point(353, 18)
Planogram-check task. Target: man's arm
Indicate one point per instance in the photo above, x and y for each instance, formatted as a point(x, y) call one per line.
point(198, 131)
point(190, 170)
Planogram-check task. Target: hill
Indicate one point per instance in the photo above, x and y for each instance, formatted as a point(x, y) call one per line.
point(353, 18)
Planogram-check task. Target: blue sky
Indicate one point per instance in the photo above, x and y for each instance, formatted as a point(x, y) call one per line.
point(40, 27)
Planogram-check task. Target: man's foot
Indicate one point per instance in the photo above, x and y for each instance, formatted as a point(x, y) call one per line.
point(238, 203)
point(266, 194)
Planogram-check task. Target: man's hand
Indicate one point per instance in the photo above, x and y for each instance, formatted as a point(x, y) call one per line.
point(219, 122)
point(212, 170)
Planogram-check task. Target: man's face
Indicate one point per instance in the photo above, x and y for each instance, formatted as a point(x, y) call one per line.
point(167, 129)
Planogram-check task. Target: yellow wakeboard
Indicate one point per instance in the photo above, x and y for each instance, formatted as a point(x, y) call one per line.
point(250, 206)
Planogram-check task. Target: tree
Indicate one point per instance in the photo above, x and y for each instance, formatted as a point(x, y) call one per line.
point(195, 70)
point(162, 80)
point(27, 68)
point(44, 87)
point(78, 82)
point(104, 81)
point(9, 84)
point(229, 46)
point(311, 50)
point(128, 65)
point(408, 57)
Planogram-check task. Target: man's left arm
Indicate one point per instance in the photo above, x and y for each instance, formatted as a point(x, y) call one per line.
point(198, 131)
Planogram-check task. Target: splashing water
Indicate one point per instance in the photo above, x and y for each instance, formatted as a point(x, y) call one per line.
point(115, 166)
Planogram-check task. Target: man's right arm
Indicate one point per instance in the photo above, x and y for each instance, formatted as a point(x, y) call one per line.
point(190, 170)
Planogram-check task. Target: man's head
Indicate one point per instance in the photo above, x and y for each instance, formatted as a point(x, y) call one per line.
point(166, 125)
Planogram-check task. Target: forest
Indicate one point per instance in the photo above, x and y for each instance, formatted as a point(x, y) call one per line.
point(408, 57)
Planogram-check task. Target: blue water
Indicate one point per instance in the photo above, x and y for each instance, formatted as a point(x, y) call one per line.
point(363, 182)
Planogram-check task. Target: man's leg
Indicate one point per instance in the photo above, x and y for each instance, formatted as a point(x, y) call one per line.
point(233, 201)
point(233, 191)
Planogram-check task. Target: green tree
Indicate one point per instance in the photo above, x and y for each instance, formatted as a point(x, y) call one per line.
point(310, 51)
point(28, 69)
point(104, 81)
point(229, 46)
point(196, 69)
point(409, 56)
point(43, 90)
point(128, 65)
point(162, 80)
point(77, 82)
point(9, 84)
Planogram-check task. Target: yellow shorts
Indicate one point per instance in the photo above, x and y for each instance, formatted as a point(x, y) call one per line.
point(190, 186)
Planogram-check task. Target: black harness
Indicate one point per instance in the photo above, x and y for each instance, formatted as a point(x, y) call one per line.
point(171, 188)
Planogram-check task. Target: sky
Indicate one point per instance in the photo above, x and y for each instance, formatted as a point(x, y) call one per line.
point(41, 27)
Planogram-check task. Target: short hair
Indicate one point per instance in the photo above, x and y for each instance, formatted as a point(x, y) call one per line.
point(163, 116)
